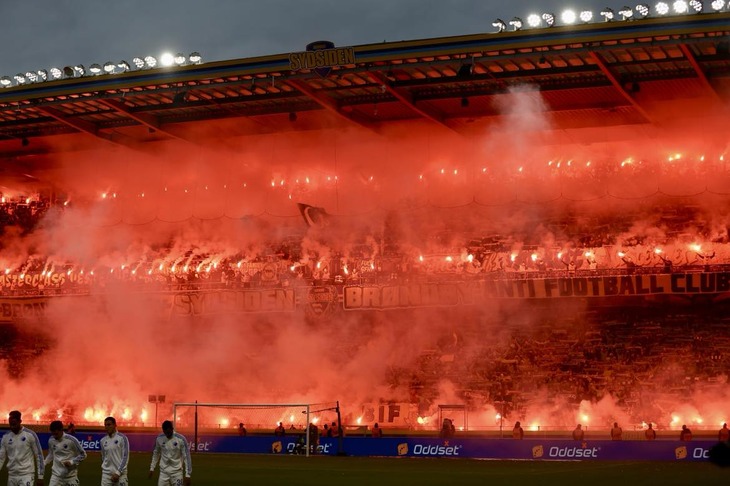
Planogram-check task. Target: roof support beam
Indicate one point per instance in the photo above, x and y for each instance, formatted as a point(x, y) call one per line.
point(84, 126)
point(147, 120)
point(700, 73)
point(616, 84)
point(326, 102)
point(405, 97)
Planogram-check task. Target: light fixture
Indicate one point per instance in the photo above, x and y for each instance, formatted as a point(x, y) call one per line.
point(608, 14)
point(180, 98)
point(56, 73)
point(79, 70)
point(662, 8)
point(717, 5)
point(5, 81)
point(109, 67)
point(626, 13)
point(549, 19)
point(696, 5)
point(31, 77)
point(42, 75)
point(19, 78)
point(568, 17)
point(642, 9)
point(465, 70)
point(195, 58)
point(167, 59)
point(586, 16)
point(95, 69)
point(499, 25)
point(516, 23)
point(69, 72)
point(123, 66)
point(179, 59)
point(150, 61)
point(138, 62)
point(534, 20)
point(680, 7)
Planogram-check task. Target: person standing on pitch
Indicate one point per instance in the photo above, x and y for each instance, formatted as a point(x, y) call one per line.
point(65, 453)
point(173, 453)
point(114, 455)
point(21, 448)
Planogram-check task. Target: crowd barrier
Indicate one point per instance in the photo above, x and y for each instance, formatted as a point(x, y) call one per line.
point(470, 448)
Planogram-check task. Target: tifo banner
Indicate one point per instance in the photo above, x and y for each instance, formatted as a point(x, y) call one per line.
point(467, 448)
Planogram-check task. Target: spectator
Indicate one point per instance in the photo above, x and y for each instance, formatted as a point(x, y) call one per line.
point(377, 431)
point(724, 434)
point(517, 432)
point(685, 435)
point(616, 432)
point(650, 433)
point(447, 429)
point(578, 432)
point(279, 430)
point(241, 430)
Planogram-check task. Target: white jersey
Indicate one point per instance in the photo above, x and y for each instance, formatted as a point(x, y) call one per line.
point(114, 454)
point(60, 451)
point(172, 453)
point(23, 452)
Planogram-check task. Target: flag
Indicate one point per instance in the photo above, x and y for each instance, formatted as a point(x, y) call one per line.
point(314, 216)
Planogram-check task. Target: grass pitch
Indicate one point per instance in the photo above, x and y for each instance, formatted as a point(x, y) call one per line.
point(262, 470)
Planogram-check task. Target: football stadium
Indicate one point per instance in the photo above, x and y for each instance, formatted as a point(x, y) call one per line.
point(509, 245)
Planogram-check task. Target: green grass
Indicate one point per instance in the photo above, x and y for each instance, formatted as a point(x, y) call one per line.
point(261, 470)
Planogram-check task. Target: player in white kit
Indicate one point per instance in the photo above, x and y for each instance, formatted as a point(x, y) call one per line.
point(65, 454)
point(24, 454)
point(114, 455)
point(173, 453)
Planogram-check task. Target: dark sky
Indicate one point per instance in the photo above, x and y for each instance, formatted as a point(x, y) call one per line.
point(40, 34)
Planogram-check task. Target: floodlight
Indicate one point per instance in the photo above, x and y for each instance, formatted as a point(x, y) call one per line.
point(626, 13)
point(5, 81)
point(179, 59)
point(680, 7)
point(499, 25)
point(150, 61)
point(608, 14)
point(549, 19)
point(123, 66)
point(95, 69)
point(80, 70)
point(167, 59)
point(138, 62)
point(195, 58)
point(516, 23)
point(534, 20)
point(42, 75)
point(718, 5)
point(109, 67)
point(642, 9)
point(57, 73)
point(662, 8)
point(19, 78)
point(586, 16)
point(568, 17)
point(31, 77)
point(696, 5)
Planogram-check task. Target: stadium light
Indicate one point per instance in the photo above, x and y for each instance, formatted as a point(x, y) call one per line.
point(31, 77)
point(5, 81)
point(626, 13)
point(109, 67)
point(123, 66)
point(608, 14)
point(167, 59)
point(195, 58)
point(56, 73)
point(549, 19)
point(516, 23)
point(69, 72)
point(150, 61)
point(586, 16)
point(79, 70)
point(680, 7)
point(717, 5)
point(662, 8)
point(696, 5)
point(643, 10)
point(179, 59)
point(19, 79)
point(534, 20)
point(499, 25)
point(95, 69)
point(138, 62)
point(568, 17)
point(42, 75)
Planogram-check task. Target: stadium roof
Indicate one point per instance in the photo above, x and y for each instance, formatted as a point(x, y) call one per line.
point(597, 81)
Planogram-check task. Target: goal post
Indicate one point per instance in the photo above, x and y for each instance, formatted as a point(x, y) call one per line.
point(195, 419)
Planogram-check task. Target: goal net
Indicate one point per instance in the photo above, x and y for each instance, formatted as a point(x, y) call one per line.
point(194, 419)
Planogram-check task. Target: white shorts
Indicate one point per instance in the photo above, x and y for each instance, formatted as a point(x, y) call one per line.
point(106, 480)
point(56, 481)
point(21, 480)
point(170, 479)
